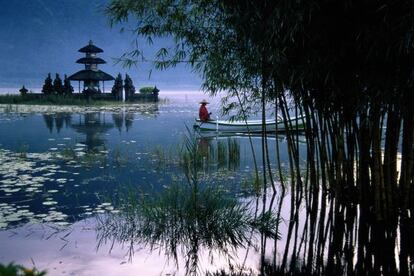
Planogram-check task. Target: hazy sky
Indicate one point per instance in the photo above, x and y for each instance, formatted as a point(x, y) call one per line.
point(42, 36)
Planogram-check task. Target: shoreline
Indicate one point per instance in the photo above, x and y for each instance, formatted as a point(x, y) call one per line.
point(72, 100)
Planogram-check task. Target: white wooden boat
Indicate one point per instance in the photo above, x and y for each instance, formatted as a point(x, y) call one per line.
point(249, 126)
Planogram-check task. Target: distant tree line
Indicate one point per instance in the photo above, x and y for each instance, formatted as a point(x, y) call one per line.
point(56, 87)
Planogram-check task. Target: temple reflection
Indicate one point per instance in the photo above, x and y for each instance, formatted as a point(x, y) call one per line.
point(93, 126)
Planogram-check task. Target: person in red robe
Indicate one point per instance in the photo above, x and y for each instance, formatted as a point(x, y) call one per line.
point(203, 112)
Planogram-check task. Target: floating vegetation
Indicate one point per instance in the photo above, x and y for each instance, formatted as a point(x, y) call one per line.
point(119, 157)
point(163, 158)
point(26, 179)
point(51, 202)
point(15, 171)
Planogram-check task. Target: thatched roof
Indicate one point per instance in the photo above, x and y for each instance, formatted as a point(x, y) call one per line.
point(91, 75)
point(91, 60)
point(90, 48)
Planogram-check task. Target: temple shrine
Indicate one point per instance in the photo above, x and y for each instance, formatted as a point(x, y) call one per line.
point(91, 76)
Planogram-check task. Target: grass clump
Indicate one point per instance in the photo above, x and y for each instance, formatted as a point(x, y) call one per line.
point(185, 217)
point(146, 90)
point(17, 270)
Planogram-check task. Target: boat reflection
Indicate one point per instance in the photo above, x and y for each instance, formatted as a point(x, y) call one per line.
point(241, 135)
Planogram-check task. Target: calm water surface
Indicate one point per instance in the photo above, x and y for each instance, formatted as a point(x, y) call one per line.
point(62, 169)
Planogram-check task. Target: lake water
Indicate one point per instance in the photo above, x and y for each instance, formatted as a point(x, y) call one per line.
point(65, 173)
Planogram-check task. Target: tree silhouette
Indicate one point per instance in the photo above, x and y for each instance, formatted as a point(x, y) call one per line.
point(117, 88)
point(67, 87)
point(57, 84)
point(48, 88)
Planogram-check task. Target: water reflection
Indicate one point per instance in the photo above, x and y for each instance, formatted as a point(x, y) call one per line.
point(188, 217)
point(129, 119)
point(121, 119)
point(181, 221)
point(221, 153)
point(93, 126)
point(57, 120)
point(78, 159)
point(63, 183)
point(118, 119)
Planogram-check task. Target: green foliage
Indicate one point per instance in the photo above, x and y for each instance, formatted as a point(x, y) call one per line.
point(266, 223)
point(18, 270)
point(252, 185)
point(146, 90)
point(278, 46)
point(48, 88)
point(180, 219)
point(347, 65)
point(163, 158)
point(68, 153)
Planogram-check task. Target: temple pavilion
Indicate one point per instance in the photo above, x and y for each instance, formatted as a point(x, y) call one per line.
point(91, 76)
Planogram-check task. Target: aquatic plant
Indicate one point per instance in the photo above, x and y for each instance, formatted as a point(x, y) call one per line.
point(251, 185)
point(14, 270)
point(185, 218)
point(164, 157)
point(119, 158)
point(234, 154)
point(68, 153)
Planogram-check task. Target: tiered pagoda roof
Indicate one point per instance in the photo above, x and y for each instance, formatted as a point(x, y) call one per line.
point(90, 48)
point(90, 60)
point(91, 74)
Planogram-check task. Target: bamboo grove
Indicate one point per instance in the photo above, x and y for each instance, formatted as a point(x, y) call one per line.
point(347, 66)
